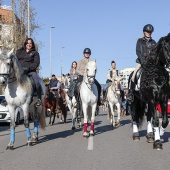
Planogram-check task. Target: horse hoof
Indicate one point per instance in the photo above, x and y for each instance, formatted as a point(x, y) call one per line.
point(150, 137)
point(92, 133)
point(73, 128)
point(10, 147)
point(61, 120)
point(29, 143)
point(157, 145)
point(118, 123)
point(49, 124)
point(34, 139)
point(86, 134)
point(136, 137)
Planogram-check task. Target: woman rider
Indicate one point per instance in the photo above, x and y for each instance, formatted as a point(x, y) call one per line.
point(30, 60)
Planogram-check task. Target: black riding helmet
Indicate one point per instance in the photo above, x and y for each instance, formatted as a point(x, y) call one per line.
point(148, 28)
point(87, 50)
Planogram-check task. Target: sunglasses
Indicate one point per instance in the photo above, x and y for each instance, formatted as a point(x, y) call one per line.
point(87, 53)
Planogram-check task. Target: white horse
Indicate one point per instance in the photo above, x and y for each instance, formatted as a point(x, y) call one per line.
point(18, 93)
point(71, 100)
point(114, 100)
point(89, 96)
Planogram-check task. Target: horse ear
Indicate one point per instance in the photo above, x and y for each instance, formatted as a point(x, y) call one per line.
point(63, 75)
point(9, 53)
point(68, 74)
point(95, 60)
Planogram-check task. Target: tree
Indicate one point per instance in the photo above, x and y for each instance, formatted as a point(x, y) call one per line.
point(19, 23)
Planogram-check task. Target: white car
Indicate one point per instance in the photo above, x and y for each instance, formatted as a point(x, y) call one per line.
point(4, 113)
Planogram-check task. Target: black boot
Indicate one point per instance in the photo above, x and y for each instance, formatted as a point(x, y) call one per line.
point(39, 103)
point(104, 95)
point(130, 95)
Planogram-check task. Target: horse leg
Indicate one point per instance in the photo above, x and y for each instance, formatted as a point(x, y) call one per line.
point(35, 134)
point(118, 114)
point(53, 111)
point(112, 115)
point(93, 119)
point(26, 123)
point(50, 118)
point(165, 120)
point(85, 107)
point(150, 135)
point(157, 142)
point(10, 146)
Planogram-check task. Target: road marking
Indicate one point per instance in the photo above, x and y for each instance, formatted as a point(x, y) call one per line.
point(90, 143)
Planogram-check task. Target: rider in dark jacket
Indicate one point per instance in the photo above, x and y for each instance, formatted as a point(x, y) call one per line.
point(143, 49)
point(30, 60)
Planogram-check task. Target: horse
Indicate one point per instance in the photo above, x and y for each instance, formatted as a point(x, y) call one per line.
point(69, 84)
point(154, 89)
point(18, 93)
point(50, 103)
point(114, 100)
point(89, 96)
point(61, 104)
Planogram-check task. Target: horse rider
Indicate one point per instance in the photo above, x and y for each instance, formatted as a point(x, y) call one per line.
point(112, 73)
point(73, 72)
point(81, 70)
point(143, 49)
point(30, 60)
point(74, 76)
point(54, 85)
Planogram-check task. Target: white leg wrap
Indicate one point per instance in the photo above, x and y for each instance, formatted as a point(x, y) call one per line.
point(149, 127)
point(162, 130)
point(135, 128)
point(156, 132)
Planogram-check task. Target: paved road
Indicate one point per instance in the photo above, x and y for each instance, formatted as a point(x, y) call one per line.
point(61, 148)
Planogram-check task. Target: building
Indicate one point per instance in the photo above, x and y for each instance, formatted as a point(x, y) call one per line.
point(125, 73)
point(10, 28)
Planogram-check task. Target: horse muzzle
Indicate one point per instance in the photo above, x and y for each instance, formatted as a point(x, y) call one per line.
point(3, 80)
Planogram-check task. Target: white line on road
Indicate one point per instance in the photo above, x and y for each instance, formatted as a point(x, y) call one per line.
point(90, 143)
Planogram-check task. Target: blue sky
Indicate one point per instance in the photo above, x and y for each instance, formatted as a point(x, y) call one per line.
point(109, 28)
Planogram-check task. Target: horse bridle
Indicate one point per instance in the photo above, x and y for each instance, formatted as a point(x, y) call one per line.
point(6, 76)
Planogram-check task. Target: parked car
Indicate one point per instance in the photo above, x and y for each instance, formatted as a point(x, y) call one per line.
point(159, 111)
point(4, 113)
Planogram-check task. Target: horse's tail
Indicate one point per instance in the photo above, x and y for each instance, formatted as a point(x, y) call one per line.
point(42, 119)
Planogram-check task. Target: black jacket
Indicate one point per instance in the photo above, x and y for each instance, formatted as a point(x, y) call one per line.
point(29, 61)
point(143, 48)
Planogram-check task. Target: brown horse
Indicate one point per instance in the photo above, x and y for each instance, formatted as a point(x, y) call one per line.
point(61, 104)
point(50, 103)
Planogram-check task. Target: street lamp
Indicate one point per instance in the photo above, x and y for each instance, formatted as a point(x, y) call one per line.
point(28, 4)
point(61, 61)
point(50, 53)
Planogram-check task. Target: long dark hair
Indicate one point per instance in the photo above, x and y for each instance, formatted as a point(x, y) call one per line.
point(33, 44)
point(72, 64)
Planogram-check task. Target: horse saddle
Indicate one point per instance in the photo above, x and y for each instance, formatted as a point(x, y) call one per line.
point(137, 79)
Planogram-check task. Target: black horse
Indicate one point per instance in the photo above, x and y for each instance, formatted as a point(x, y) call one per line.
point(154, 89)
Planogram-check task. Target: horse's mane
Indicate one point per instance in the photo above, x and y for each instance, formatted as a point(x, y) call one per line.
point(18, 71)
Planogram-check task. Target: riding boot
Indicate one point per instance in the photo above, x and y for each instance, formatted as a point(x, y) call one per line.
point(130, 95)
point(39, 103)
point(77, 105)
point(104, 95)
